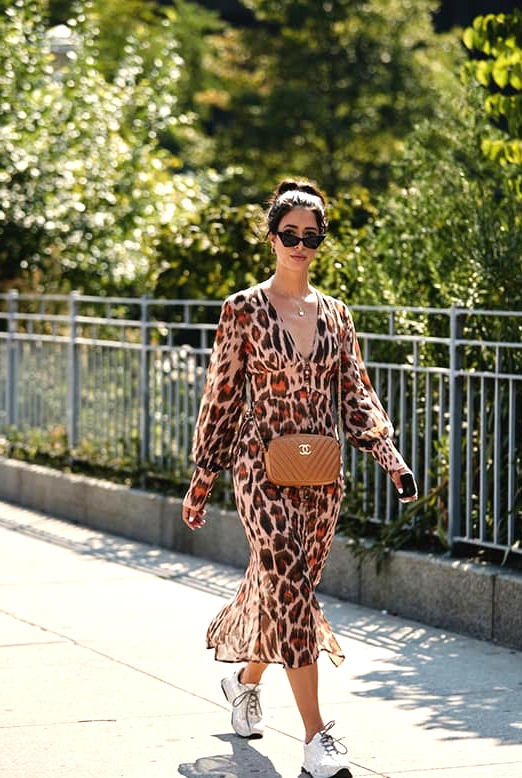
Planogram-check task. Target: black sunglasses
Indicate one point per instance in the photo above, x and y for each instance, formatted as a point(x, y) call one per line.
point(311, 241)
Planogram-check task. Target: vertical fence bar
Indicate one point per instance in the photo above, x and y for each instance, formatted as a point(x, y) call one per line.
point(144, 382)
point(483, 471)
point(470, 428)
point(12, 360)
point(72, 412)
point(511, 480)
point(429, 475)
point(455, 425)
point(498, 486)
point(415, 397)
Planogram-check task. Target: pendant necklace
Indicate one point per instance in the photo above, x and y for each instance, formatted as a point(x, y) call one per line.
point(300, 303)
point(301, 311)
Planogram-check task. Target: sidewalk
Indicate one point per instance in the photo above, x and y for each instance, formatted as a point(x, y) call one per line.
point(104, 674)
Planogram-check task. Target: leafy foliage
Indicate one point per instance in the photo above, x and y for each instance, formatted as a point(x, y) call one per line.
point(335, 92)
point(495, 42)
point(84, 184)
point(213, 252)
point(106, 179)
point(448, 230)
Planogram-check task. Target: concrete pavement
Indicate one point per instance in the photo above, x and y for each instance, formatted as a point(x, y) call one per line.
point(104, 673)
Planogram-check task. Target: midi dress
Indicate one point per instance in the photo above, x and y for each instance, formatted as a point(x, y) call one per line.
point(258, 386)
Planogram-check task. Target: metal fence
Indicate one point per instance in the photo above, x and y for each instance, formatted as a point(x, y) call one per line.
point(120, 380)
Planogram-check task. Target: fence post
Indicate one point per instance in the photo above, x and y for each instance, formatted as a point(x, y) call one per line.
point(12, 361)
point(144, 382)
point(73, 375)
point(455, 426)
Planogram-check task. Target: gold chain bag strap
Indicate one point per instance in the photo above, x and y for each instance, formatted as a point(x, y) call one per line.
point(305, 459)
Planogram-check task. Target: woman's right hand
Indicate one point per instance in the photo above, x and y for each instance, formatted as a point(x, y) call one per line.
point(194, 518)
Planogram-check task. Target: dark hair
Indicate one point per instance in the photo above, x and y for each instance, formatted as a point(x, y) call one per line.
point(296, 194)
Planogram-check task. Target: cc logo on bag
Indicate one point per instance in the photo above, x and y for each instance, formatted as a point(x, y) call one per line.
point(305, 449)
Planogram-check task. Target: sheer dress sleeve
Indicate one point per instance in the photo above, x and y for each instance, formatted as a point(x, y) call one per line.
point(221, 409)
point(366, 424)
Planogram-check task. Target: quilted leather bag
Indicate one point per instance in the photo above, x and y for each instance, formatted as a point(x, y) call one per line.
point(303, 460)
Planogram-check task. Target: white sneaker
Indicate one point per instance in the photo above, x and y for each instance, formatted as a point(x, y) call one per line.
point(247, 716)
point(325, 757)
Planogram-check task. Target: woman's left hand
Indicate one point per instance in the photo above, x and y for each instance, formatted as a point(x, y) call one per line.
point(397, 482)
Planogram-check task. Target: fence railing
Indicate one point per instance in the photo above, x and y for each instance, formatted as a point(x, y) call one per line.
point(122, 378)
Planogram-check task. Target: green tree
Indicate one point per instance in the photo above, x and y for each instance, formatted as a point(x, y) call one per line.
point(495, 43)
point(448, 230)
point(213, 251)
point(150, 28)
point(84, 185)
point(331, 94)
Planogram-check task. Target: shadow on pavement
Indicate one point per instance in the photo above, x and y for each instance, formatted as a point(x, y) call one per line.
point(244, 762)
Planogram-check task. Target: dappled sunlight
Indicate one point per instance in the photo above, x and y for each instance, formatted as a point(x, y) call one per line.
point(191, 571)
point(433, 674)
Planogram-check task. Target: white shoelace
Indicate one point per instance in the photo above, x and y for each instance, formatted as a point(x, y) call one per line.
point(252, 699)
point(329, 744)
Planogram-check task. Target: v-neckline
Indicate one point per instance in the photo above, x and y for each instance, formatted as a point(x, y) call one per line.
point(288, 331)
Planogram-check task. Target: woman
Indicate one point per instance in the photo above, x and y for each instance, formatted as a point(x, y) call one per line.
point(280, 344)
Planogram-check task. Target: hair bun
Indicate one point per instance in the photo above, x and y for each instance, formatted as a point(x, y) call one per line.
point(291, 185)
point(296, 194)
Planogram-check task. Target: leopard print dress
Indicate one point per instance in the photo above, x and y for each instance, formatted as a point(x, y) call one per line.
point(275, 616)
